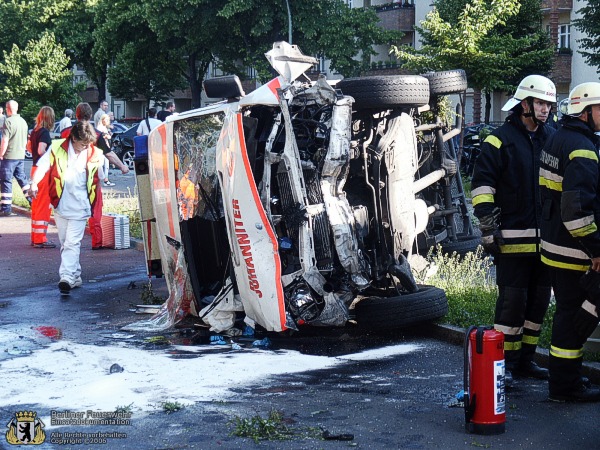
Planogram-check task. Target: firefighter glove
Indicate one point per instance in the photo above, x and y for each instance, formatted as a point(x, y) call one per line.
point(489, 222)
point(585, 320)
point(491, 240)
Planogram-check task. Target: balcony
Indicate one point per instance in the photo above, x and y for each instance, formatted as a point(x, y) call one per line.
point(561, 70)
point(399, 16)
point(558, 4)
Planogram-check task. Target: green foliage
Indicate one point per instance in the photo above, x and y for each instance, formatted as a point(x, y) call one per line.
point(469, 285)
point(127, 205)
point(258, 428)
point(139, 65)
point(171, 407)
point(589, 24)
point(38, 75)
point(236, 33)
point(546, 333)
point(496, 42)
point(125, 409)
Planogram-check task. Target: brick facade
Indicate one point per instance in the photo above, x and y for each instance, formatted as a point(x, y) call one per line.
point(561, 71)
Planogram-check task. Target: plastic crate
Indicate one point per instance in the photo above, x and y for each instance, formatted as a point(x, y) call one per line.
point(115, 231)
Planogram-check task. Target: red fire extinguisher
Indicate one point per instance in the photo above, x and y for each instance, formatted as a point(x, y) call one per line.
point(484, 381)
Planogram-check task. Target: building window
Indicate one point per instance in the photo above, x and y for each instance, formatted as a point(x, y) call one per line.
point(564, 36)
point(349, 3)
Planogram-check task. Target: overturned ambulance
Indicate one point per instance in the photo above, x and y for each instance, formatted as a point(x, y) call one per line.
point(288, 206)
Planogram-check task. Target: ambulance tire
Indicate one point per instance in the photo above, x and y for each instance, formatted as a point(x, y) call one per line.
point(386, 92)
point(446, 82)
point(385, 313)
point(462, 246)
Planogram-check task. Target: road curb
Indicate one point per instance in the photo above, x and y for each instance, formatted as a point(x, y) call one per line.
point(136, 244)
point(456, 335)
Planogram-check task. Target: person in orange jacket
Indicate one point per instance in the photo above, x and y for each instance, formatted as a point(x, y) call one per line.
point(40, 206)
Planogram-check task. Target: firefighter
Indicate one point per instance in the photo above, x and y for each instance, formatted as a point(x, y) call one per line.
point(505, 200)
point(569, 186)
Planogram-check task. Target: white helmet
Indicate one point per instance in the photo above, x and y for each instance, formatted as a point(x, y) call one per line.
point(582, 95)
point(535, 86)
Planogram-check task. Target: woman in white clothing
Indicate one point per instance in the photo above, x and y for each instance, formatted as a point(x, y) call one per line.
point(74, 165)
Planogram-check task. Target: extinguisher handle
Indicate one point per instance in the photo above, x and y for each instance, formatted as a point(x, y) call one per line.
point(469, 408)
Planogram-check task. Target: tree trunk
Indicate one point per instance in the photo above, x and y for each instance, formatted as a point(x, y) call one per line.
point(488, 106)
point(477, 106)
point(197, 72)
point(101, 83)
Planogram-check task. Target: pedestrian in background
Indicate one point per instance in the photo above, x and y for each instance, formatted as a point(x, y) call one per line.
point(506, 202)
point(149, 124)
point(73, 166)
point(65, 122)
point(170, 109)
point(569, 180)
point(40, 206)
point(12, 156)
point(104, 128)
point(102, 109)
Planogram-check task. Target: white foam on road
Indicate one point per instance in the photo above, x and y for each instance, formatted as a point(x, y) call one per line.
point(76, 377)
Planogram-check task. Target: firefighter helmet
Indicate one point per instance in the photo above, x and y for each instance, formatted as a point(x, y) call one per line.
point(535, 86)
point(583, 95)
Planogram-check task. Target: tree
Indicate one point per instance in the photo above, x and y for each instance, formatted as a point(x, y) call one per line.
point(139, 65)
point(235, 34)
point(38, 75)
point(589, 23)
point(71, 22)
point(74, 22)
point(496, 42)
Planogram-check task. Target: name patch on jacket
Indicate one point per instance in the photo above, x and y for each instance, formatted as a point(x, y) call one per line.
point(549, 160)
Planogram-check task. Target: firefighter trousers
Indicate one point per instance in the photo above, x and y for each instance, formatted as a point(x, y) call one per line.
point(566, 349)
point(40, 212)
point(523, 298)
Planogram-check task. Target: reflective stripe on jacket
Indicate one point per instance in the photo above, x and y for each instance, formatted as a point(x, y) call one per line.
point(505, 177)
point(569, 186)
point(59, 157)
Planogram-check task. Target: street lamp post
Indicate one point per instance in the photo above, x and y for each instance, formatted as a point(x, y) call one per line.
point(287, 3)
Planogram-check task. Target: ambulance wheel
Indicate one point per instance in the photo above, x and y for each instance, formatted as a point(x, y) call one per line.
point(462, 246)
point(386, 92)
point(385, 313)
point(446, 82)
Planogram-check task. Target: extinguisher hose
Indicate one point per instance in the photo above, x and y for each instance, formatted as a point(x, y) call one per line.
point(467, 399)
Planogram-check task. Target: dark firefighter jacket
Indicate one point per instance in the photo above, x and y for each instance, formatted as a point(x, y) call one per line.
point(506, 177)
point(569, 187)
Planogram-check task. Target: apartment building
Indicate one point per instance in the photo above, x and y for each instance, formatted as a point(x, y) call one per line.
point(569, 70)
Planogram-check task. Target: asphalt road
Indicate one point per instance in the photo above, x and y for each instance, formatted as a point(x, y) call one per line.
point(393, 390)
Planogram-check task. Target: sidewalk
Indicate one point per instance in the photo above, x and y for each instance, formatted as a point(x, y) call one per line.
point(26, 267)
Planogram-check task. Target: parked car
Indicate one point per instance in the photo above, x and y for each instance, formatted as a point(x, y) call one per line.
point(117, 128)
point(297, 204)
point(122, 145)
point(55, 134)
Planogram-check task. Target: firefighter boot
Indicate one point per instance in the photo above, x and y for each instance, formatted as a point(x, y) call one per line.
point(529, 369)
point(581, 394)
